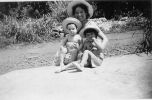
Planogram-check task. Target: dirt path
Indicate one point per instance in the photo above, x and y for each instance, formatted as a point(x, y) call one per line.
point(20, 57)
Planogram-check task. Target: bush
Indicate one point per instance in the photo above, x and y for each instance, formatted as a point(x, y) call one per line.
point(129, 24)
point(32, 30)
point(58, 9)
point(27, 30)
point(146, 44)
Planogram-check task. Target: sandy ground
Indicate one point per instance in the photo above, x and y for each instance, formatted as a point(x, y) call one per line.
point(26, 74)
point(122, 77)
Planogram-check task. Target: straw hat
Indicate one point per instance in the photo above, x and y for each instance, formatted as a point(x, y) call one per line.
point(89, 26)
point(74, 3)
point(71, 20)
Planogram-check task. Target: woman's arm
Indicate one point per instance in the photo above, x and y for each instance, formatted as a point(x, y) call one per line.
point(102, 36)
point(97, 43)
point(63, 43)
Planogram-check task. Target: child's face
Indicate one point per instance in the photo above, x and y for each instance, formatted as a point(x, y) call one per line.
point(90, 35)
point(72, 29)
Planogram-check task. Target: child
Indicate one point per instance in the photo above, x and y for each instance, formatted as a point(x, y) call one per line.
point(70, 45)
point(91, 51)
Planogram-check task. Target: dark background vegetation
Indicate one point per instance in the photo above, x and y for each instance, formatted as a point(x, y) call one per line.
point(107, 9)
point(34, 21)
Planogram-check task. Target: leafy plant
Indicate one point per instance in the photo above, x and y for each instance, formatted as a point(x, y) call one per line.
point(146, 44)
point(58, 9)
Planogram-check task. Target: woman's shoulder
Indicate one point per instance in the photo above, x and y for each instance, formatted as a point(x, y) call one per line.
point(90, 22)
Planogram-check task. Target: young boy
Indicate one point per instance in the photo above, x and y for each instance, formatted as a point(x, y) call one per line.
point(71, 44)
point(92, 51)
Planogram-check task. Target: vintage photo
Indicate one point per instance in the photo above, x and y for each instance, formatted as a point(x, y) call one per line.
point(75, 49)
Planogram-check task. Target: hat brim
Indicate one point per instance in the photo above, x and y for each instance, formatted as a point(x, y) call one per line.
point(89, 27)
point(71, 20)
point(89, 30)
point(74, 3)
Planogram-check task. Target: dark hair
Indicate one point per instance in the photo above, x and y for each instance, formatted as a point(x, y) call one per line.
point(83, 7)
point(70, 24)
point(90, 30)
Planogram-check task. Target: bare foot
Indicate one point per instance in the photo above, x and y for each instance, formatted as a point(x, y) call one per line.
point(78, 66)
point(60, 69)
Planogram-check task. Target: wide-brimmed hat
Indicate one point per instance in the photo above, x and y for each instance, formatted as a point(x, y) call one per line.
point(71, 20)
point(90, 26)
point(74, 3)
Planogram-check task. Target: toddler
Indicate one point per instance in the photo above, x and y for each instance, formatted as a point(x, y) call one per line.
point(71, 44)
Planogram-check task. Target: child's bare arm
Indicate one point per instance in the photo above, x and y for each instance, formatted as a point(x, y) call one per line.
point(80, 44)
point(64, 41)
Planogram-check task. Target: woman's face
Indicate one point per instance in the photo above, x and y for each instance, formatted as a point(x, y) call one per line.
point(80, 14)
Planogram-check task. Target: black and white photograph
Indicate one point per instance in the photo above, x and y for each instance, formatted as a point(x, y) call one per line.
point(75, 49)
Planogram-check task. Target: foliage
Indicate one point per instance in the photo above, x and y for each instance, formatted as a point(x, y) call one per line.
point(58, 9)
point(146, 44)
point(24, 9)
point(18, 27)
point(27, 30)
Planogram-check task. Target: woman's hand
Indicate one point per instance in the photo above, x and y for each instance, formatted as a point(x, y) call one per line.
point(97, 43)
point(94, 40)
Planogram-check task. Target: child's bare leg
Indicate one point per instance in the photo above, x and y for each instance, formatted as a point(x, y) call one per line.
point(85, 57)
point(62, 55)
point(62, 59)
point(64, 68)
point(70, 65)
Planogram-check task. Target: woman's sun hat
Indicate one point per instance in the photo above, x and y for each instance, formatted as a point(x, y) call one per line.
point(71, 20)
point(89, 26)
point(74, 3)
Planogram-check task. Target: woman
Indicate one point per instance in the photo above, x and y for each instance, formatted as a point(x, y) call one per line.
point(82, 10)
